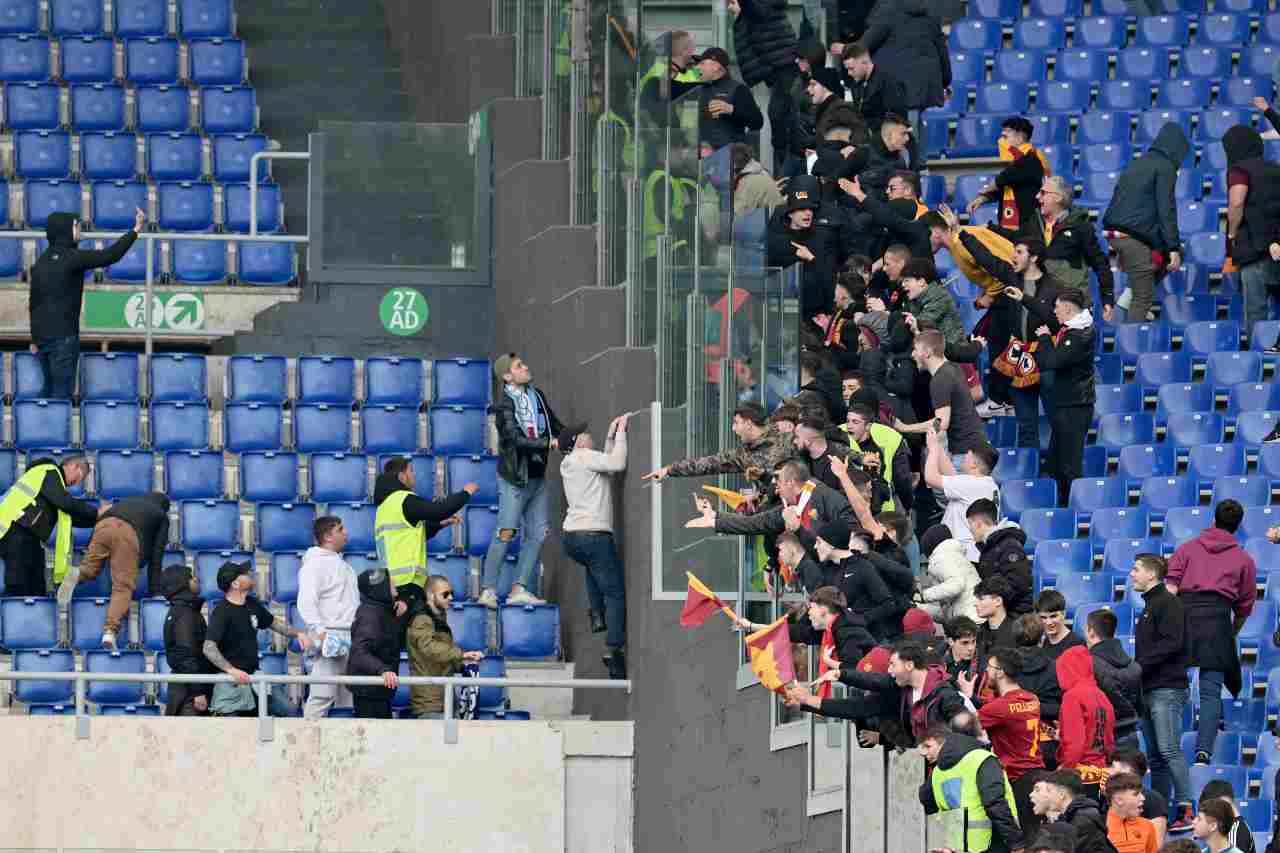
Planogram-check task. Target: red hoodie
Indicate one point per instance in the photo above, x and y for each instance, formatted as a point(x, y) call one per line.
point(1086, 722)
point(936, 694)
point(1215, 562)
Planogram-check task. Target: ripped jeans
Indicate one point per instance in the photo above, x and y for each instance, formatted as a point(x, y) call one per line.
point(526, 510)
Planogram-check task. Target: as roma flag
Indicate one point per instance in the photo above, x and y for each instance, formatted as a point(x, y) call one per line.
point(700, 603)
point(770, 650)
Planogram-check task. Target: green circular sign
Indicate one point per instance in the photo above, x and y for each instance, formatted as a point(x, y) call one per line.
point(403, 311)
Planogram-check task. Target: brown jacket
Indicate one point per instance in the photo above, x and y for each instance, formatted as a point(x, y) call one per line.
point(432, 652)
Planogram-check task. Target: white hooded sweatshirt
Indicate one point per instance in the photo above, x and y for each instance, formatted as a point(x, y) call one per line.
point(947, 587)
point(327, 591)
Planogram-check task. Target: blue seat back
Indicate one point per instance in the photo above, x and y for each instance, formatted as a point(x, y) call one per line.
point(358, 520)
point(123, 473)
point(255, 426)
point(285, 527)
point(483, 471)
point(284, 577)
point(115, 692)
point(178, 377)
point(194, 475)
point(110, 424)
point(326, 379)
point(210, 525)
point(338, 477)
point(151, 617)
point(389, 429)
point(322, 428)
point(269, 475)
point(458, 430)
point(44, 660)
point(461, 382)
point(530, 631)
point(470, 626)
point(393, 381)
point(41, 423)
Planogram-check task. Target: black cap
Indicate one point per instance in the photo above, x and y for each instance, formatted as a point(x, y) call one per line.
point(229, 571)
point(829, 78)
point(717, 53)
point(174, 579)
point(569, 435)
point(933, 537)
point(836, 533)
point(803, 193)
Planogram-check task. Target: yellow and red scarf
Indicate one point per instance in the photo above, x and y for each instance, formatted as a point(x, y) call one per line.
point(1009, 217)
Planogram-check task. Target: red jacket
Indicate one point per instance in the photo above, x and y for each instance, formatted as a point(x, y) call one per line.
point(1215, 562)
point(1086, 723)
point(939, 702)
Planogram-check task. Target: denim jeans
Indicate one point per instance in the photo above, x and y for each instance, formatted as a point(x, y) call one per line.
point(606, 590)
point(59, 358)
point(527, 510)
point(1210, 709)
point(1258, 280)
point(912, 549)
point(1026, 407)
point(1162, 730)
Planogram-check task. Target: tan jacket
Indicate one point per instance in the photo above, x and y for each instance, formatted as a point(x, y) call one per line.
point(432, 652)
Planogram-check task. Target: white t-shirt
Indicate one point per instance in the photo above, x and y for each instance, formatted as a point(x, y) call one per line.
point(961, 491)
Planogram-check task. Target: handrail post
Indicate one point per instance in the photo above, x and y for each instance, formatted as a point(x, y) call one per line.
point(82, 713)
point(148, 245)
point(450, 721)
point(266, 728)
point(253, 179)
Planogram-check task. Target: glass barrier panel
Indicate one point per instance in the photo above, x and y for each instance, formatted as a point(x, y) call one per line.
point(557, 90)
point(531, 57)
point(610, 157)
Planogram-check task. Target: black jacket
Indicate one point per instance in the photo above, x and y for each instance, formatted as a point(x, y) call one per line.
point(874, 164)
point(42, 515)
point(849, 633)
point(1120, 677)
point(906, 37)
point(1004, 554)
point(733, 127)
point(1144, 206)
point(822, 238)
point(375, 634)
point(1260, 226)
point(869, 594)
point(1040, 676)
point(184, 633)
point(879, 94)
point(827, 384)
point(1160, 641)
point(418, 509)
point(1075, 242)
point(57, 278)
point(515, 448)
point(148, 515)
point(1071, 359)
point(1024, 176)
point(763, 40)
point(899, 218)
point(827, 505)
point(1006, 834)
point(1088, 826)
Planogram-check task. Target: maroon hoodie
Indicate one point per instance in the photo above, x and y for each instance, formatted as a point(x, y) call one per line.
point(939, 701)
point(1215, 562)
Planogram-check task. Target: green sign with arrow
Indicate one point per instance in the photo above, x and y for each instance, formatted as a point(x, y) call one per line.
point(183, 311)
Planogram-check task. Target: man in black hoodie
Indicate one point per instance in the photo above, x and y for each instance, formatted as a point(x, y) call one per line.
point(991, 826)
point(184, 634)
point(1253, 220)
point(375, 645)
point(1117, 674)
point(133, 531)
point(57, 286)
point(766, 47)
point(794, 236)
point(1069, 353)
point(1142, 219)
point(29, 512)
point(1076, 812)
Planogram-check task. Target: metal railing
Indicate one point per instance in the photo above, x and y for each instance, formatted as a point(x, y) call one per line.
point(262, 684)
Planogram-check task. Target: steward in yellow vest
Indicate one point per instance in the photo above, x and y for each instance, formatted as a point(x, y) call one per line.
point(966, 776)
point(404, 522)
point(30, 511)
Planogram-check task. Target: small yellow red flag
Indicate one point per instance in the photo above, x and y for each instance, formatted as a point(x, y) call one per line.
point(700, 603)
point(770, 650)
point(732, 499)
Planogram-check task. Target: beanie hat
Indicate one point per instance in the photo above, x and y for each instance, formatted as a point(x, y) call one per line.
point(917, 621)
point(569, 435)
point(502, 364)
point(933, 537)
point(836, 533)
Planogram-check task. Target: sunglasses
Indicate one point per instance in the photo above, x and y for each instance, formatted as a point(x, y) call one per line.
point(448, 594)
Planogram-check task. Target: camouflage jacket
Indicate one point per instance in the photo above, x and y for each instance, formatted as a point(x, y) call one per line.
point(771, 450)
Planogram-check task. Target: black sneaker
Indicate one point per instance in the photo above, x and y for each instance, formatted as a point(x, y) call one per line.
point(597, 623)
point(616, 661)
point(1202, 757)
point(1273, 436)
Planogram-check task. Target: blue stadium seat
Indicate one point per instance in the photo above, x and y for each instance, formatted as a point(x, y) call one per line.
point(1082, 67)
point(1108, 157)
point(1161, 368)
point(968, 67)
point(1002, 98)
point(10, 248)
point(326, 379)
point(341, 477)
point(442, 542)
point(109, 376)
point(1226, 29)
point(481, 521)
point(1054, 557)
point(1240, 91)
point(481, 470)
point(1124, 95)
point(1178, 398)
point(31, 106)
point(393, 381)
point(254, 426)
point(1083, 587)
point(284, 577)
point(109, 156)
point(285, 527)
point(75, 17)
point(1226, 748)
point(210, 525)
point(194, 475)
point(19, 16)
point(115, 692)
point(461, 382)
point(358, 520)
point(1189, 186)
point(232, 155)
point(1095, 461)
point(175, 157)
point(1253, 397)
point(936, 140)
point(186, 207)
point(1207, 462)
point(1188, 429)
point(1043, 524)
point(41, 423)
point(1214, 123)
point(424, 471)
point(1252, 491)
point(24, 58)
point(28, 377)
point(1134, 339)
point(530, 631)
point(46, 197)
point(206, 18)
point(389, 429)
point(1263, 334)
point(1253, 427)
point(177, 377)
point(266, 263)
point(1088, 494)
point(123, 473)
point(1232, 368)
point(1181, 310)
point(1117, 399)
point(230, 110)
point(1056, 8)
point(968, 186)
point(1159, 494)
point(1005, 10)
point(1038, 34)
point(1107, 32)
point(1002, 431)
point(135, 18)
point(114, 203)
point(42, 154)
point(1151, 122)
point(97, 106)
point(455, 567)
point(44, 660)
point(1099, 187)
point(1269, 464)
point(458, 430)
point(257, 379)
point(1216, 193)
point(933, 189)
point(1142, 64)
point(1062, 96)
point(1023, 65)
point(86, 618)
point(1162, 30)
point(28, 623)
point(1118, 523)
point(322, 428)
point(1118, 554)
point(216, 61)
point(199, 261)
point(179, 426)
point(88, 60)
point(1102, 128)
point(151, 61)
point(1051, 129)
point(1016, 463)
point(1266, 555)
point(1019, 495)
point(1208, 249)
point(1212, 63)
point(1118, 431)
point(110, 424)
point(1193, 217)
point(470, 626)
point(162, 109)
point(1184, 94)
point(268, 475)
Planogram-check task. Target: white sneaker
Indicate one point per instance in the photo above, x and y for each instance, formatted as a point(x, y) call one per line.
point(990, 409)
point(68, 586)
point(524, 597)
point(489, 599)
point(109, 641)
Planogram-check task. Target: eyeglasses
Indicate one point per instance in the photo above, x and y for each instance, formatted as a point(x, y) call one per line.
point(448, 594)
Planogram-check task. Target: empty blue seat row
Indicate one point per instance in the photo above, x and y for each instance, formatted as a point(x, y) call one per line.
point(102, 106)
point(150, 60)
point(196, 18)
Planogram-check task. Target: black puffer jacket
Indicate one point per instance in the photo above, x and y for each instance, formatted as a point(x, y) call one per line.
point(375, 633)
point(1004, 554)
point(905, 38)
point(1072, 360)
point(515, 448)
point(1120, 677)
point(1088, 826)
point(57, 278)
point(763, 40)
point(1143, 205)
point(849, 632)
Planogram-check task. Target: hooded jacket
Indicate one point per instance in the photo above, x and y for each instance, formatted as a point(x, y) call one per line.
point(1040, 676)
point(848, 633)
point(148, 515)
point(328, 591)
point(1006, 834)
point(871, 595)
point(1144, 206)
point(1260, 222)
point(1069, 353)
point(1214, 562)
point(936, 307)
point(817, 277)
point(907, 37)
point(947, 587)
point(1120, 678)
point(42, 515)
point(375, 635)
point(418, 509)
point(57, 278)
point(1087, 825)
point(432, 652)
point(1086, 723)
point(1004, 553)
point(763, 40)
point(730, 127)
point(184, 635)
